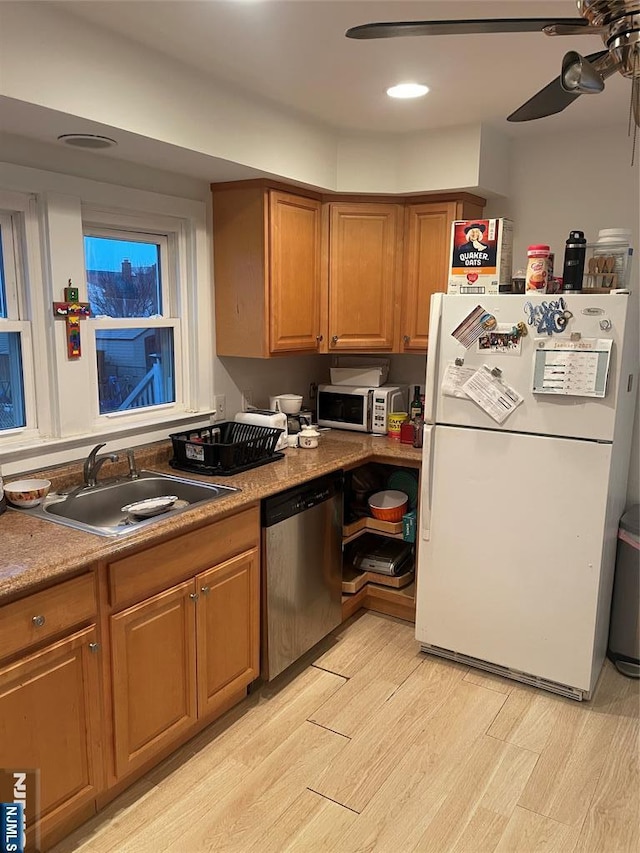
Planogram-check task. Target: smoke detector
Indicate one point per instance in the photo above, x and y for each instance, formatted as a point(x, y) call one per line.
point(87, 140)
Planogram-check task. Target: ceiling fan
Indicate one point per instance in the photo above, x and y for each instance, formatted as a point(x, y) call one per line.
point(616, 21)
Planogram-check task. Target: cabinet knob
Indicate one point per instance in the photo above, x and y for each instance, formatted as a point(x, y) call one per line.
point(194, 596)
point(94, 647)
point(334, 340)
point(407, 339)
point(205, 590)
point(38, 621)
point(319, 338)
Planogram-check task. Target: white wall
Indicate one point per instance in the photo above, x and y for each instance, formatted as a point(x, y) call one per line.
point(56, 60)
point(563, 182)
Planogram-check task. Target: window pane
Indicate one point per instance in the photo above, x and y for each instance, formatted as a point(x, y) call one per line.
point(123, 277)
point(135, 368)
point(12, 414)
point(3, 294)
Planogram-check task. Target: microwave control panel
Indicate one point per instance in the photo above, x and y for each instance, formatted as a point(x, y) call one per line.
point(379, 413)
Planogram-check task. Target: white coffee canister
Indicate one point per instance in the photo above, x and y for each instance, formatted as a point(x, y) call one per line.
point(308, 437)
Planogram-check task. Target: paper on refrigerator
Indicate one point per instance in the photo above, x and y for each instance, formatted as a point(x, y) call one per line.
point(493, 395)
point(455, 376)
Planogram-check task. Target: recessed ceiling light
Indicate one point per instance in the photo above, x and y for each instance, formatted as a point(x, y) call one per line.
point(407, 90)
point(87, 140)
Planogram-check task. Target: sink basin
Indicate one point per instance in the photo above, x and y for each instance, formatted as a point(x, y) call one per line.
point(99, 509)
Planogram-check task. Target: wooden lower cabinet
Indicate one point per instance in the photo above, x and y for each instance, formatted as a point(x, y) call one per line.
point(181, 655)
point(50, 721)
point(228, 630)
point(153, 648)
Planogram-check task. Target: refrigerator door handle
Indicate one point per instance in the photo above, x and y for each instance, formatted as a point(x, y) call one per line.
point(427, 480)
point(435, 314)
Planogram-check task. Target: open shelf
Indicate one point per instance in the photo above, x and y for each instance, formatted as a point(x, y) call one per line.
point(353, 580)
point(351, 531)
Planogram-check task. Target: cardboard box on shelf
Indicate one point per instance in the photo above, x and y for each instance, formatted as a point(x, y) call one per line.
point(481, 255)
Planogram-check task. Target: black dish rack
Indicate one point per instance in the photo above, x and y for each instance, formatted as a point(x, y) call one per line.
point(224, 449)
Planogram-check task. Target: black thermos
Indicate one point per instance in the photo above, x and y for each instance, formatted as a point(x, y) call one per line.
point(574, 255)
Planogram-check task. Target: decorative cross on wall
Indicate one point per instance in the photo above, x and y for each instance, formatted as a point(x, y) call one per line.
point(73, 311)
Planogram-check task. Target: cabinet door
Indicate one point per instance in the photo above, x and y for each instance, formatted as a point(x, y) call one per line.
point(154, 683)
point(228, 629)
point(295, 287)
point(427, 234)
point(50, 720)
point(426, 262)
point(364, 256)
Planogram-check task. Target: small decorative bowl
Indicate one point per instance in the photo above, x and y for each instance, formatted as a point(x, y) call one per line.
point(26, 493)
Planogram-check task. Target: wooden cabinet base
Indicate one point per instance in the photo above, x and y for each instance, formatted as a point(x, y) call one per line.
point(381, 599)
point(54, 831)
point(122, 785)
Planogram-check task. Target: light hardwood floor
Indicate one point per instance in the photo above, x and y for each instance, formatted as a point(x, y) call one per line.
point(375, 746)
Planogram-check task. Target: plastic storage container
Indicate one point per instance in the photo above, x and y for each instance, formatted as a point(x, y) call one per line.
point(539, 267)
point(609, 259)
point(624, 629)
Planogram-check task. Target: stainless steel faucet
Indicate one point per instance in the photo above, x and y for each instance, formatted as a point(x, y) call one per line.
point(93, 463)
point(133, 471)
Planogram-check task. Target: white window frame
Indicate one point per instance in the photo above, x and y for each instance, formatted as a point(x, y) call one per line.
point(52, 208)
point(166, 233)
point(15, 210)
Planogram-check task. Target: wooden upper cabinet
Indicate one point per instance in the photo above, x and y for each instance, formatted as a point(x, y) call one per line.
point(267, 271)
point(365, 247)
point(426, 263)
point(294, 273)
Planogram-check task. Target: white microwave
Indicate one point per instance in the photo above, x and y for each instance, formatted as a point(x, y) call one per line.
point(364, 409)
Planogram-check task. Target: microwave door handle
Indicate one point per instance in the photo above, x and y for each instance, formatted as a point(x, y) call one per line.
point(369, 407)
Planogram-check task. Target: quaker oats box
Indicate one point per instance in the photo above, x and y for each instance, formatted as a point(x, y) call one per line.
point(481, 256)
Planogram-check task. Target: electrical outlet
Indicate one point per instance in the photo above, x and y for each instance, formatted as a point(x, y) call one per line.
point(220, 403)
point(247, 399)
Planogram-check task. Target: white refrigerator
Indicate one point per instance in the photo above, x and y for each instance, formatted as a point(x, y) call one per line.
point(519, 517)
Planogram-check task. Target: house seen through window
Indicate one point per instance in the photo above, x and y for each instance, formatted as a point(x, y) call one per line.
point(135, 360)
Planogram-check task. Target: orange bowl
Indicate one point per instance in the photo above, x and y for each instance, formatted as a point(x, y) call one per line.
point(388, 505)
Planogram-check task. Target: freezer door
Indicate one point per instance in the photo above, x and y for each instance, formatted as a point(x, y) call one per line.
point(581, 417)
point(510, 558)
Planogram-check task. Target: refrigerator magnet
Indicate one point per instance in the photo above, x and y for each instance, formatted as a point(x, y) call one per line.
point(477, 323)
point(550, 317)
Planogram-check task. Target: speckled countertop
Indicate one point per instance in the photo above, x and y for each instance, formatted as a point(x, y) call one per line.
point(35, 553)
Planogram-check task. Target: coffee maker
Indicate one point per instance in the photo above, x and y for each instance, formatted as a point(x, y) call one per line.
point(297, 421)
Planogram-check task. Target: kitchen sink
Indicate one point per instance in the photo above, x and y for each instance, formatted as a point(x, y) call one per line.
point(98, 509)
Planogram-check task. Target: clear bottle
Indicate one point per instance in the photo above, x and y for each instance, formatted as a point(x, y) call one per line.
point(415, 409)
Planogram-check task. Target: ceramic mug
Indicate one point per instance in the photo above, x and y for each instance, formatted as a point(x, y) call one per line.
point(308, 437)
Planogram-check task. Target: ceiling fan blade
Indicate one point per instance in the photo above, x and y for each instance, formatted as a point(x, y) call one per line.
point(553, 98)
point(454, 28)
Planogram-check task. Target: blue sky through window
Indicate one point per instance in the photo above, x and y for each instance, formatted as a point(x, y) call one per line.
point(105, 253)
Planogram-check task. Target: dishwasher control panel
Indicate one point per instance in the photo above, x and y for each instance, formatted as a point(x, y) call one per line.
point(301, 498)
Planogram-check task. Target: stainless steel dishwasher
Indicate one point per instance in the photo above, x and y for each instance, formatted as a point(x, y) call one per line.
point(302, 569)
